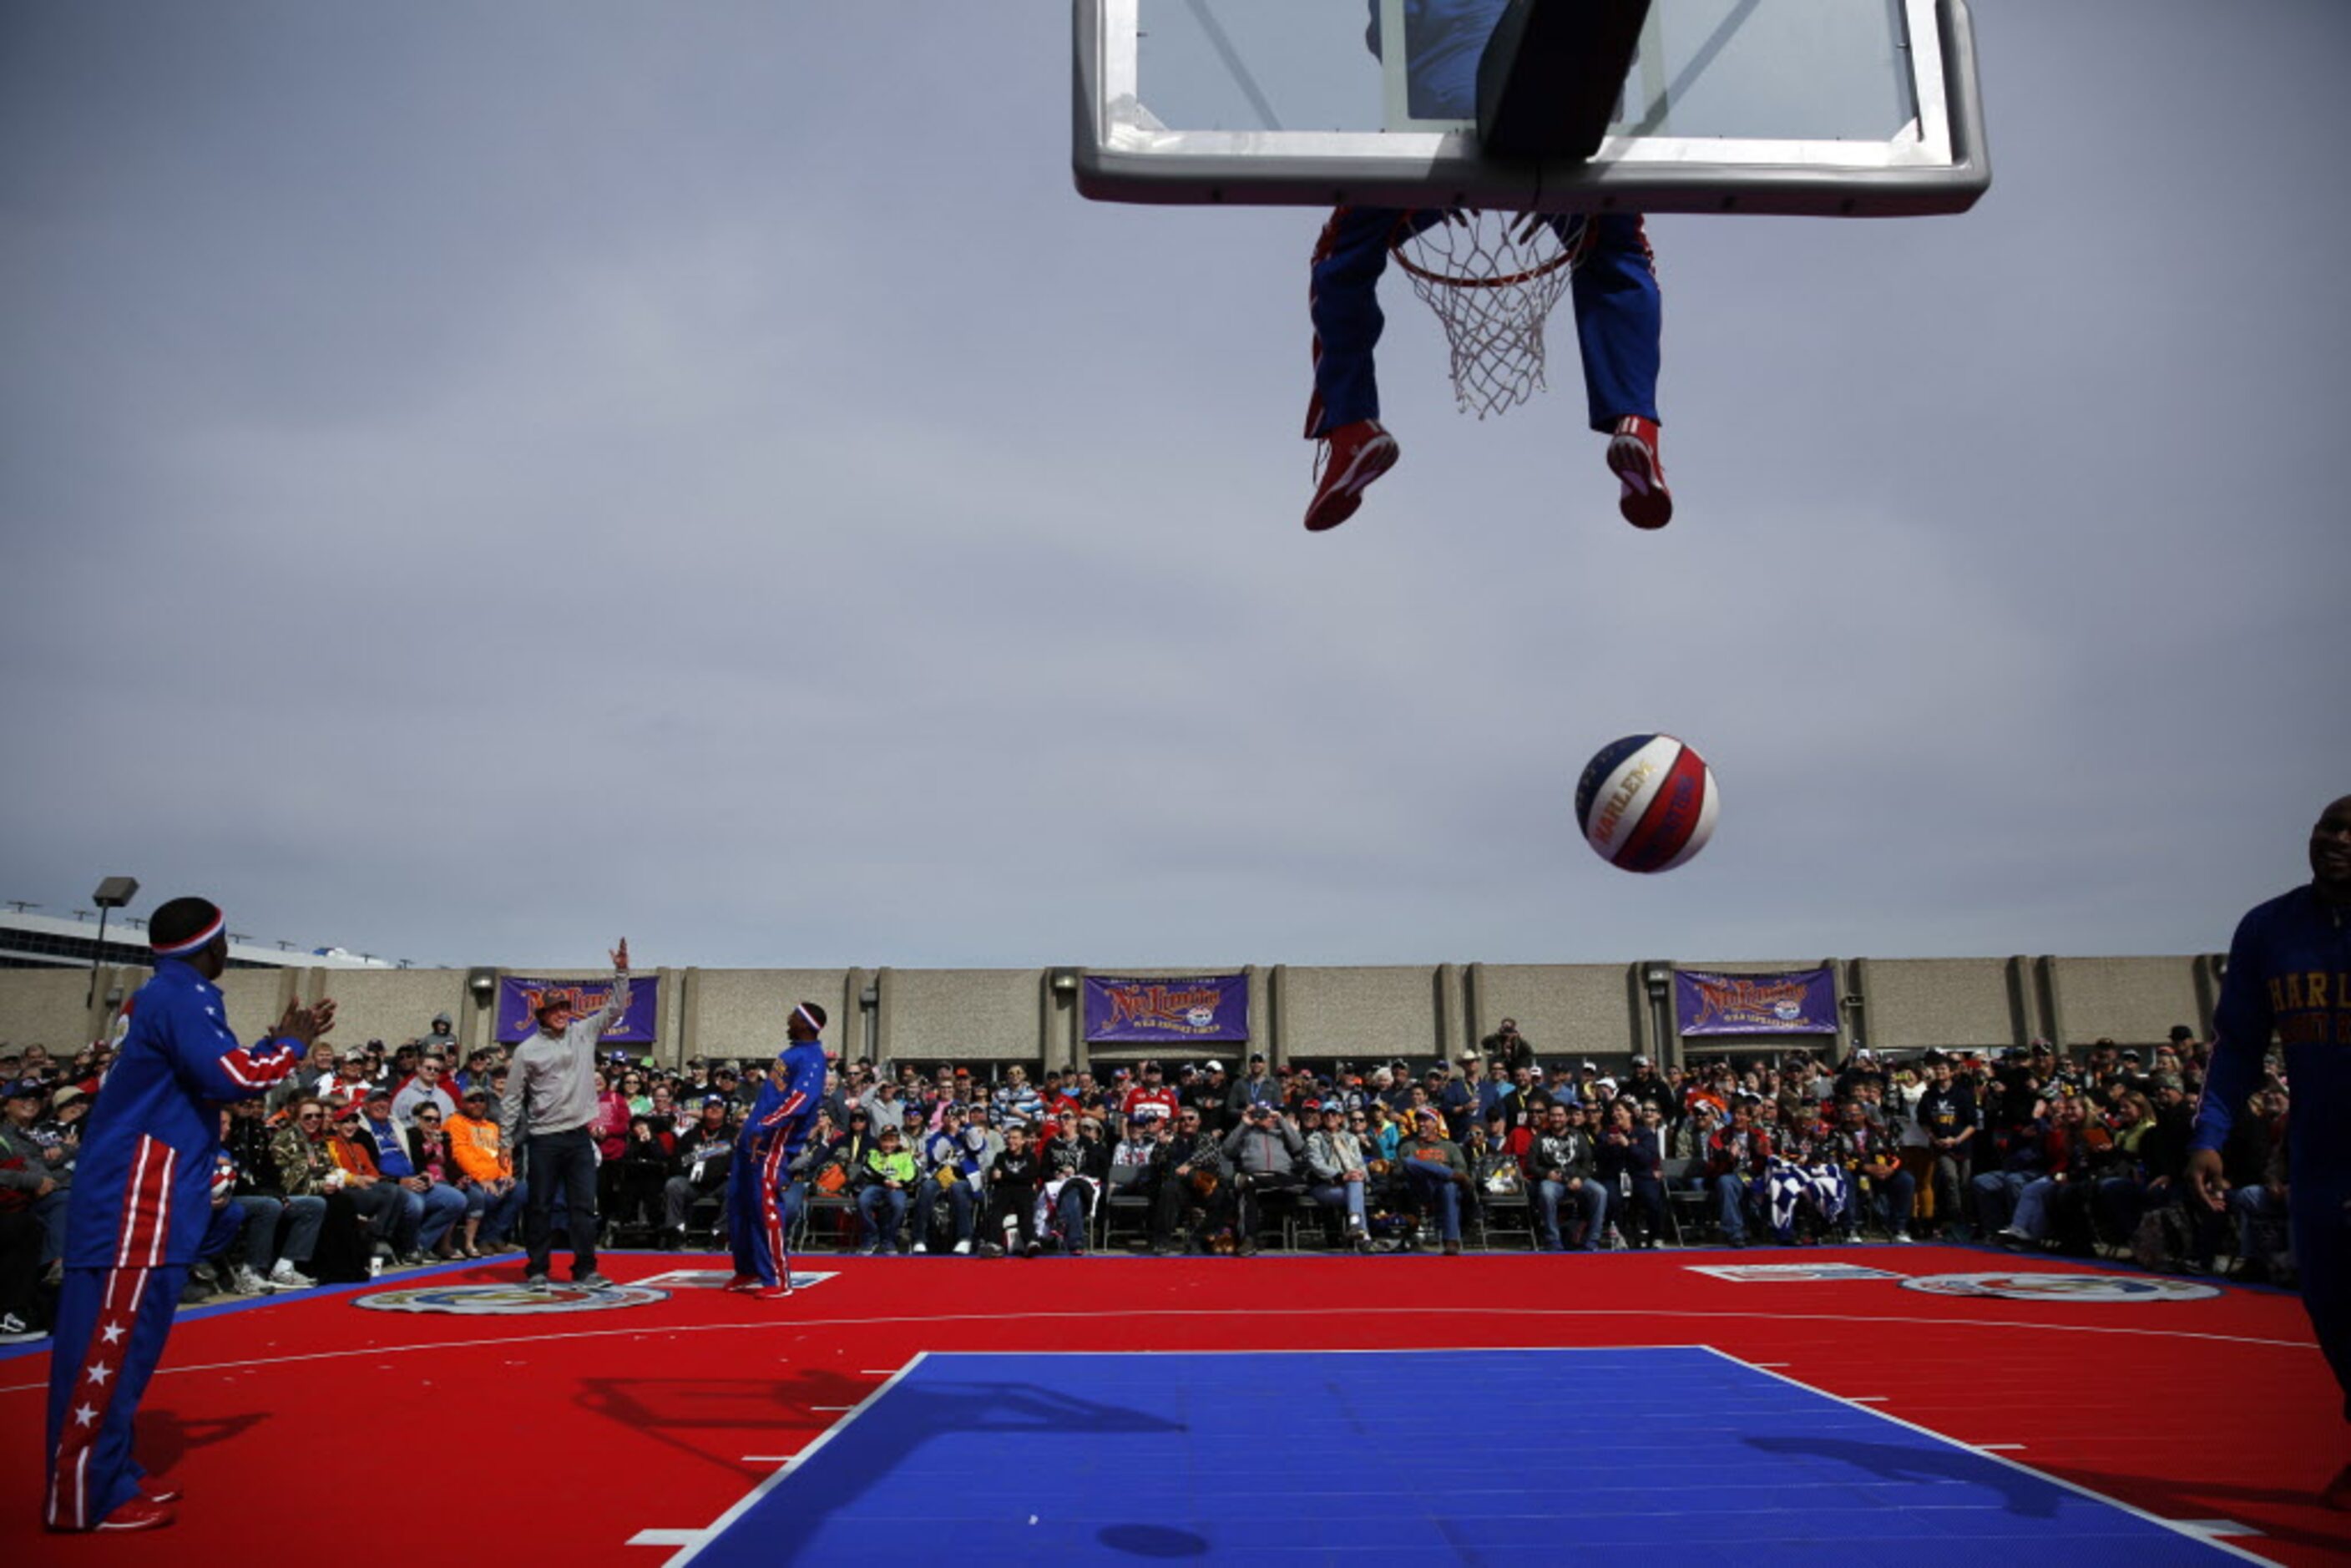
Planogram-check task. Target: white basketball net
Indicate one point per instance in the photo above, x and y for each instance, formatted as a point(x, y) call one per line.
point(1492, 279)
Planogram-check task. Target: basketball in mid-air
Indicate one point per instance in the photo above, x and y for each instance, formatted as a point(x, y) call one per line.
point(1645, 802)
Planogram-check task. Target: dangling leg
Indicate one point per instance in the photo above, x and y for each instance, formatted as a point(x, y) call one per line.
point(1344, 303)
point(1619, 325)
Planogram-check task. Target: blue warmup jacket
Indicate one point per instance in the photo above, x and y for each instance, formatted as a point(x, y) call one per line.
point(2288, 970)
point(786, 1112)
point(148, 1148)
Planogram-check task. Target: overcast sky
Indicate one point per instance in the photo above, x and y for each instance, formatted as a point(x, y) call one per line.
point(480, 479)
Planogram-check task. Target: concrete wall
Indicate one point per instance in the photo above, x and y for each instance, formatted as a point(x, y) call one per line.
point(741, 1013)
point(2135, 1000)
point(1604, 1011)
point(950, 1015)
point(1357, 1015)
point(1569, 1011)
point(1917, 1004)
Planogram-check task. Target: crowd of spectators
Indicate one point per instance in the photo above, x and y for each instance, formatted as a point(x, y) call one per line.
point(395, 1157)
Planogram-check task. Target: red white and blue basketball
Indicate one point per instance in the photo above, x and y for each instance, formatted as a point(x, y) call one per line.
point(1645, 803)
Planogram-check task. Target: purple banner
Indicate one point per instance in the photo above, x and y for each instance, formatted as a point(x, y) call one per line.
point(520, 998)
point(1208, 1009)
point(1802, 1001)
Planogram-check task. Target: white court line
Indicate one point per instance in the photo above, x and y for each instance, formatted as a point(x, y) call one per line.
point(664, 1537)
point(768, 1459)
point(2176, 1526)
point(1862, 1398)
point(1999, 1448)
point(1644, 1313)
point(717, 1526)
point(2211, 1527)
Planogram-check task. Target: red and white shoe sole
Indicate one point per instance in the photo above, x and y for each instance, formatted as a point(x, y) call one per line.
point(1341, 493)
point(1645, 503)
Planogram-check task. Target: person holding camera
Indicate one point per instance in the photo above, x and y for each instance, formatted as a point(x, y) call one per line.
point(1264, 1152)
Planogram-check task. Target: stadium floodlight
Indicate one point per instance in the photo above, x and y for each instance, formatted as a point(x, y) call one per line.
point(112, 893)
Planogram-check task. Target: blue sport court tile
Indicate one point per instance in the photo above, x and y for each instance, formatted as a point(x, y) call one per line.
point(1453, 1456)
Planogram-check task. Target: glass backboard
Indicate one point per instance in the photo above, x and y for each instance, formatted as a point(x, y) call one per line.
point(1834, 107)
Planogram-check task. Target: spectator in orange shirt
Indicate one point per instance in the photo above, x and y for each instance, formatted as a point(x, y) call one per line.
point(492, 1196)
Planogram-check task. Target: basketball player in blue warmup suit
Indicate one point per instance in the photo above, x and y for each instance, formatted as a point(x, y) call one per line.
point(772, 1135)
point(143, 1204)
point(2290, 973)
point(1619, 314)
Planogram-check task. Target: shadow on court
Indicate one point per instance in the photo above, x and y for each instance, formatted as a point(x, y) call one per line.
point(164, 1438)
point(884, 1449)
point(1919, 1462)
point(718, 1420)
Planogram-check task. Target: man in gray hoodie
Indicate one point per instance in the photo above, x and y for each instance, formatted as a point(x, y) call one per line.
point(549, 1103)
point(1267, 1150)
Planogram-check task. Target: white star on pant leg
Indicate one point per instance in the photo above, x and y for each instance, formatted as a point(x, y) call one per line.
point(112, 1332)
point(101, 1372)
point(85, 1415)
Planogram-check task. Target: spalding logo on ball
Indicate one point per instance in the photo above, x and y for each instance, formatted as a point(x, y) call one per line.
point(1645, 803)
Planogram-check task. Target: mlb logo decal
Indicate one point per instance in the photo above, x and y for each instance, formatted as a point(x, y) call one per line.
point(1783, 1273)
point(2063, 1287)
point(506, 1301)
point(716, 1279)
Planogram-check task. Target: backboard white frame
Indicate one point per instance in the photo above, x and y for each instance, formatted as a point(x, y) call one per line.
point(1934, 163)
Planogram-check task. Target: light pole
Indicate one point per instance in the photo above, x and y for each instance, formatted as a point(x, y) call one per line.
point(112, 893)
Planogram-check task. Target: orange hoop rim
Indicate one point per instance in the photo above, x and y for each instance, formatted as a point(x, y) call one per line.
point(1566, 257)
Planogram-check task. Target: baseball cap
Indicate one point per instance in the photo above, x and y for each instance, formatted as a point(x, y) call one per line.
point(1427, 1114)
point(1640, 1061)
point(1216, 1067)
point(25, 1089)
point(377, 1092)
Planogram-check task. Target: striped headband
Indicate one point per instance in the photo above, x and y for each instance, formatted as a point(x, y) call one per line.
point(195, 944)
point(802, 1013)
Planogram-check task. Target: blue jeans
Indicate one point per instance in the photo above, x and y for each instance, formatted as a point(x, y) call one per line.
point(1433, 1187)
point(2031, 1219)
point(1076, 1196)
point(959, 1203)
point(1590, 1197)
point(1346, 1195)
point(51, 1212)
point(304, 1219)
point(1996, 1196)
point(1731, 1193)
point(427, 1217)
point(496, 1212)
point(1894, 1195)
point(872, 1204)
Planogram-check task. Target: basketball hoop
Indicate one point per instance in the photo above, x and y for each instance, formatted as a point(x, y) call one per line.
point(1492, 278)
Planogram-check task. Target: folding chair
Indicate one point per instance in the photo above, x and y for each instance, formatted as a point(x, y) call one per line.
point(1124, 1211)
point(1680, 1195)
point(1505, 1213)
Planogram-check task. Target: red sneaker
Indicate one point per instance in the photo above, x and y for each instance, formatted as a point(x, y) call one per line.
point(1633, 457)
point(154, 1491)
point(139, 1514)
point(1351, 456)
point(775, 1293)
point(746, 1283)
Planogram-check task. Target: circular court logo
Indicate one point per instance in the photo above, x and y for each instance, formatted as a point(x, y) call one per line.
point(508, 1300)
point(2063, 1287)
